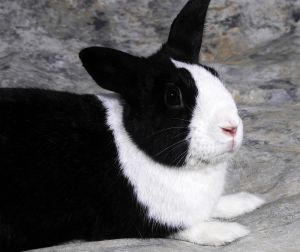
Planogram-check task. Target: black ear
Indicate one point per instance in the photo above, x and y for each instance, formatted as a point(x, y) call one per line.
point(111, 69)
point(187, 30)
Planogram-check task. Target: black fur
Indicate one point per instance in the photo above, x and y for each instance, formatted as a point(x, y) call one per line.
point(185, 38)
point(158, 130)
point(60, 179)
point(59, 176)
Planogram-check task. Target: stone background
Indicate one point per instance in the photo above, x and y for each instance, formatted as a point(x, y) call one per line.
point(259, 40)
point(254, 44)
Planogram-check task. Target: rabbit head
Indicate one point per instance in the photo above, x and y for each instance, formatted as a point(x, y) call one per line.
point(175, 109)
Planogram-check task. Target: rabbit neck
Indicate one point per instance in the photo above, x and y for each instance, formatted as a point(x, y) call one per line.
point(174, 197)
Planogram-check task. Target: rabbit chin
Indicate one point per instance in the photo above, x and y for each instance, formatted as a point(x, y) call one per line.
point(209, 152)
point(198, 161)
point(204, 150)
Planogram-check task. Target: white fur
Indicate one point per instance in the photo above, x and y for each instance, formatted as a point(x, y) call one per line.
point(187, 197)
point(213, 233)
point(233, 205)
point(215, 108)
point(176, 197)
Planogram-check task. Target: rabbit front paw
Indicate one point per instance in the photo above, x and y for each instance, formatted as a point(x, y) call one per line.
point(213, 233)
point(233, 205)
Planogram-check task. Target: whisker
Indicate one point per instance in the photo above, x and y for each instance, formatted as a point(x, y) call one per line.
point(163, 130)
point(180, 119)
point(171, 147)
point(190, 109)
point(181, 133)
point(169, 151)
point(180, 157)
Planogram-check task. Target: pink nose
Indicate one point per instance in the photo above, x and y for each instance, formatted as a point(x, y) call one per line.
point(231, 131)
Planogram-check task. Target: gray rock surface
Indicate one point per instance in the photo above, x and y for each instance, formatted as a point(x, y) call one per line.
point(254, 44)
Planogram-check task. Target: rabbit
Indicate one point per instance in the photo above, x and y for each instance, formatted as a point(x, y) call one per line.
point(147, 159)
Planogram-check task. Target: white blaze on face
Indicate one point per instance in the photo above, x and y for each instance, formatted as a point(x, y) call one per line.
point(215, 110)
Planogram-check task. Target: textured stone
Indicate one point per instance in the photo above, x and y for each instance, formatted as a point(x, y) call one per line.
point(40, 40)
point(275, 227)
point(254, 44)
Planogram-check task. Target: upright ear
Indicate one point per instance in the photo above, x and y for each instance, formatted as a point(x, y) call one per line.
point(111, 69)
point(186, 33)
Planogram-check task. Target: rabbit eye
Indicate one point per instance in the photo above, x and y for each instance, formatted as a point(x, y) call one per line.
point(173, 97)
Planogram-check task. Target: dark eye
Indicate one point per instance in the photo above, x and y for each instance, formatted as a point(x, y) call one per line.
point(173, 97)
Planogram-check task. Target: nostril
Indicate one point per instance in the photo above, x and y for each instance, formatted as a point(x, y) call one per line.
point(230, 130)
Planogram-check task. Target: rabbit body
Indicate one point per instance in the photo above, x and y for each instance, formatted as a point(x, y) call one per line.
point(60, 178)
point(147, 160)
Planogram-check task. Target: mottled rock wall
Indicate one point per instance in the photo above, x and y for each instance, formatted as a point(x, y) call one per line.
point(40, 40)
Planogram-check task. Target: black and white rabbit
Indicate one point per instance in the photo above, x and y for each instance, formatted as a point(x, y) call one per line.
point(147, 160)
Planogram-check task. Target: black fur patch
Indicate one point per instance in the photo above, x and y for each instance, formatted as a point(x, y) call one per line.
point(211, 70)
point(59, 175)
point(158, 130)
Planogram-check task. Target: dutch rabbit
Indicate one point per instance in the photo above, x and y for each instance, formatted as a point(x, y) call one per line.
point(146, 160)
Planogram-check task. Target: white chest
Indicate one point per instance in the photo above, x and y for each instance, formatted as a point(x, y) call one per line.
point(172, 196)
